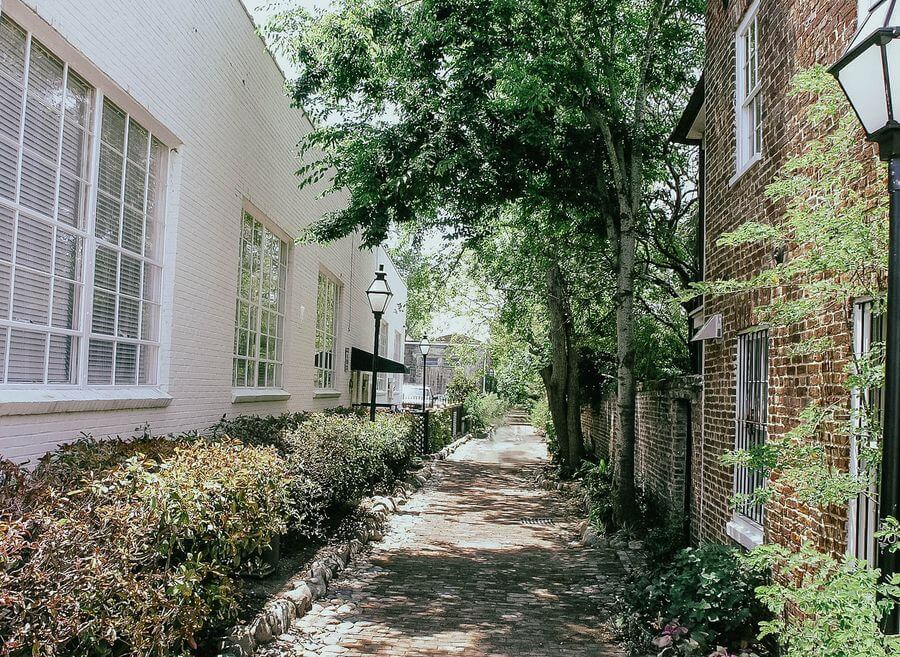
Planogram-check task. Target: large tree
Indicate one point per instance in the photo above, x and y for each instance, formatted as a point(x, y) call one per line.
point(447, 112)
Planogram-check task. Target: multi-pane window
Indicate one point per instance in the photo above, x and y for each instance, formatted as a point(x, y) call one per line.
point(326, 332)
point(751, 414)
point(869, 330)
point(79, 261)
point(259, 316)
point(749, 85)
point(127, 261)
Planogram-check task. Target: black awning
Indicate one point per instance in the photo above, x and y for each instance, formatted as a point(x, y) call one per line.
point(361, 361)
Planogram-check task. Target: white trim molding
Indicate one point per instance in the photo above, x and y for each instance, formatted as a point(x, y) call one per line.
point(37, 401)
point(247, 395)
point(744, 532)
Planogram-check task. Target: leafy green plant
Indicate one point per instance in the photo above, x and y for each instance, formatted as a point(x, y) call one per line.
point(266, 431)
point(707, 591)
point(599, 485)
point(484, 410)
point(336, 459)
point(461, 386)
point(440, 430)
point(822, 605)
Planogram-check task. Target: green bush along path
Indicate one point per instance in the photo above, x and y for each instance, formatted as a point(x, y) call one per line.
point(480, 563)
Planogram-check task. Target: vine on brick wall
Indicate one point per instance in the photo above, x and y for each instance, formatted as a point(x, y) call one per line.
point(837, 242)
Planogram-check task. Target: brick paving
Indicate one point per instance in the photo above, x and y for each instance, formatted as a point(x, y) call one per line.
point(459, 573)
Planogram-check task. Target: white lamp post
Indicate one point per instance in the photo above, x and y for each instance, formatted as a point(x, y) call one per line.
point(379, 294)
point(869, 73)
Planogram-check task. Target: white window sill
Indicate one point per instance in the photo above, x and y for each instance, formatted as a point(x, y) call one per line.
point(248, 395)
point(744, 169)
point(326, 394)
point(744, 531)
point(37, 401)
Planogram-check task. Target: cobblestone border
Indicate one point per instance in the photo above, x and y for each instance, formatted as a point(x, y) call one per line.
point(294, 602)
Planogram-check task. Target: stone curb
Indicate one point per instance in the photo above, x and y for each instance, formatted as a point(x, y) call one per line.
point(278, 614)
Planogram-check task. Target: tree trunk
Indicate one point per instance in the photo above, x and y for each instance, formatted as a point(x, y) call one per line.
point(626, 504)
point(573, 399)
point(561, 376)
point(556, 400)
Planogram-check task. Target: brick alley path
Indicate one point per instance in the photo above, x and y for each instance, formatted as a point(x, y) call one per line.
point(460, 573)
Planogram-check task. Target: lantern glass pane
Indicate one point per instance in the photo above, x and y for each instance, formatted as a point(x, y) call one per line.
point(893, 58)
point(863, 81)
point(378, 301)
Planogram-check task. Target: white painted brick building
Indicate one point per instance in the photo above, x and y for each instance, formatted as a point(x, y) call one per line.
point(137, 141)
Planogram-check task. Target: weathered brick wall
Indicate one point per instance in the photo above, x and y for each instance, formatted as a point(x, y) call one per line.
point(794, 34)
point(667, 427)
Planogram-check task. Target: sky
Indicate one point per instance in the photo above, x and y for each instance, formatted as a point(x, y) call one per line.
point(444, 323)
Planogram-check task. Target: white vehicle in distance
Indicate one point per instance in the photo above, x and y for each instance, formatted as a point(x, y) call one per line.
point(412, 396)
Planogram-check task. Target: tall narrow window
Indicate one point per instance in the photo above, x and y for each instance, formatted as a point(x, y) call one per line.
point(326, 332)
point(127, 260)
point(259, 316)
point(869, 330)
point(79, 291)
point(751, 414)
point(748, 109)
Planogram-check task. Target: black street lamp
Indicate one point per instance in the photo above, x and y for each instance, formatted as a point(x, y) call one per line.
point(424, 348)
point(869, 73)
point(379, 294)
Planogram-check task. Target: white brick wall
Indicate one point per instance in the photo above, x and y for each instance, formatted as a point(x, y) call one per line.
point(200, 70)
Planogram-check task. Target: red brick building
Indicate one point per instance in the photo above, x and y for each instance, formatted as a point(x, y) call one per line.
point(750, 126)
point(747, 126)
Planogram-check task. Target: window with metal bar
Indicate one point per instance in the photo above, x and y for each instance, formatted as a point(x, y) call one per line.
point(869, 331)
point(259, 315)
point(751, 414)
point(80, 227)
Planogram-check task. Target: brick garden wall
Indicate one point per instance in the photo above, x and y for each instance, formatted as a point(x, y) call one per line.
point(668, 423)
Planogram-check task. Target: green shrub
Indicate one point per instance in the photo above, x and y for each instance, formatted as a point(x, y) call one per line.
point(143, 556)
point(334, 460)
point(704, 596)
point(597, 480)
point(484, 410)
point(263, 431)
point(440, 429)
point(461, 386)
point(136, 546)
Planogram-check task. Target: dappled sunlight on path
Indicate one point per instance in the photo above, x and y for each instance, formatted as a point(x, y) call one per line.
point(480, 563)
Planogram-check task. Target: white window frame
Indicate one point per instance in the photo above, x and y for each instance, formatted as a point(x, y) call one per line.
point(250, 390)
point(749, 141)
point(862, 514)
point(322, 372)
point(79, 394)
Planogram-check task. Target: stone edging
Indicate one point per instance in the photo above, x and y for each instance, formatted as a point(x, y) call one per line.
point(278, 614)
